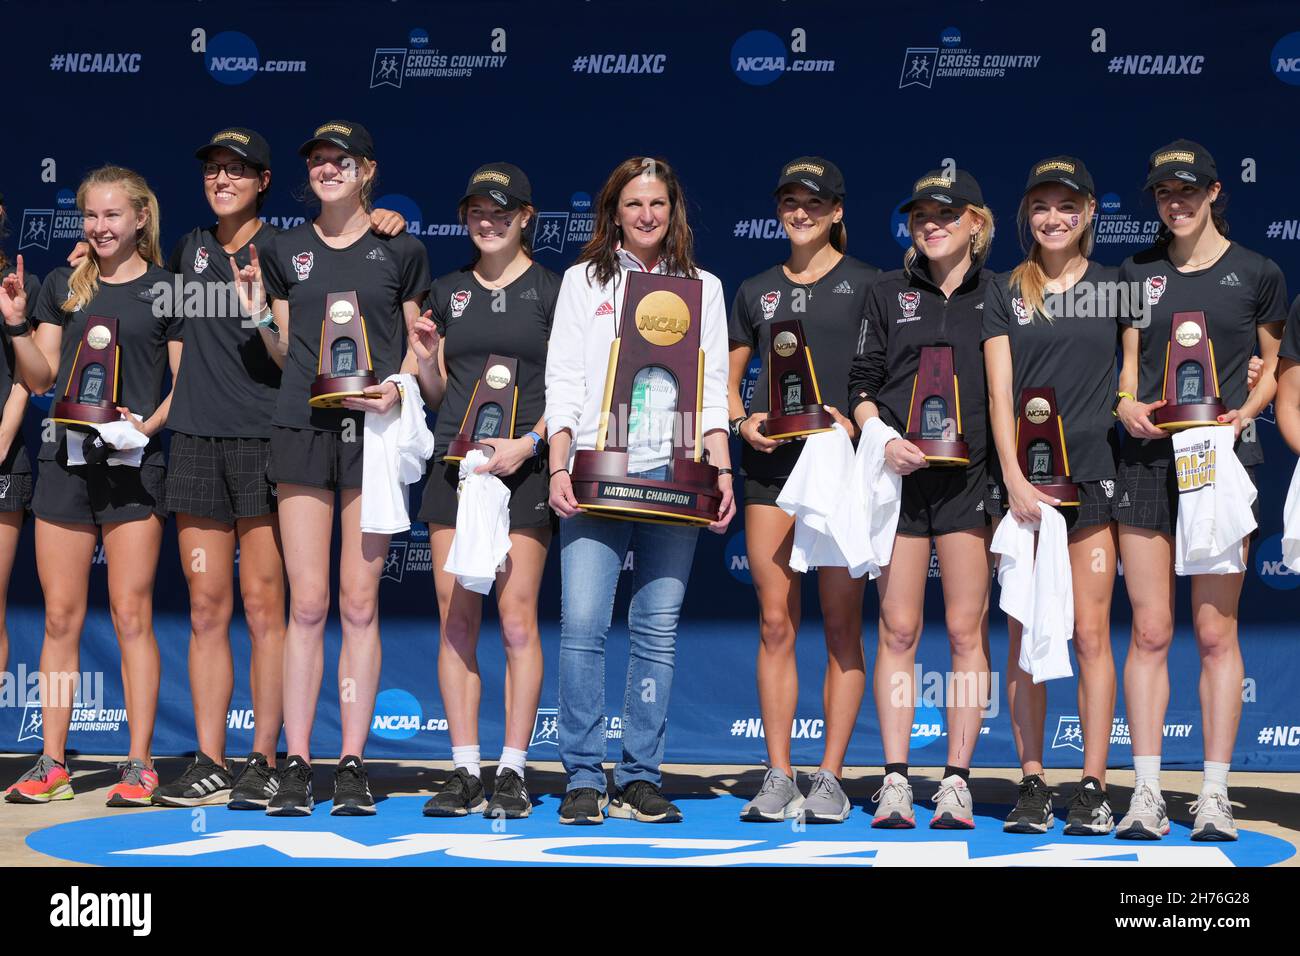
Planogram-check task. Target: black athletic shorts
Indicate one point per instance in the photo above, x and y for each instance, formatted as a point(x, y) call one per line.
point(943, 500)
point(1096, 504)
point(763, 492)
point(98, 494)
point(529, 492)
point(318, 459)
point(219, 478)
point(15, 492)
point(1146, 496)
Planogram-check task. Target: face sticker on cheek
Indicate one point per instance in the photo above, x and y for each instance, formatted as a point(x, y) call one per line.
point(955, 220)
point(1074, 222)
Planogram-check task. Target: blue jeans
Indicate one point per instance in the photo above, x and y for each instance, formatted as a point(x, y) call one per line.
point(591, 557)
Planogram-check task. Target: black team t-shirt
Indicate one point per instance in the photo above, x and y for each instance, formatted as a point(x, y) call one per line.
point(16, 461)
point(475, 322)
point(228, 382)
point(383, 271)
point(1073, 352)
point(1239, 292)
point(144, 327)
point(1291, 335)
point(831, 311)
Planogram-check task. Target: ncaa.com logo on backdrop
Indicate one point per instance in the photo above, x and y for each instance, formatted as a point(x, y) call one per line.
point(1270, 568)
point(555, 230)
point(393, 66)
point(399, 716)
point(1285, 59)
point(232, 58)
point(760, 57)
point(951, 59)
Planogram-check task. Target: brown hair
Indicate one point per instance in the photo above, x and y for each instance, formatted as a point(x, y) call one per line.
point(678, 254)
point(525, 234)
point(1030, 275)
point(979, 243)
point(84, 281)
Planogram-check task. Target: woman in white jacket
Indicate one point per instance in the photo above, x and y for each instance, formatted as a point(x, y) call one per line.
point(640, 225)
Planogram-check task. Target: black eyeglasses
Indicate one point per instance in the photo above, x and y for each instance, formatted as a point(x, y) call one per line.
point(235, 170)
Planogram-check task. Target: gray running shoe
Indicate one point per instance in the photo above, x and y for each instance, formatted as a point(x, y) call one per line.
point(827, 802)
point(778, 799)
point(1146, 819)
point(894, 804)
point(953, 807)
point(1214, 821)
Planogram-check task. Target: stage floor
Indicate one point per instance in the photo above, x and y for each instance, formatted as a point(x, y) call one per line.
point(83, 831)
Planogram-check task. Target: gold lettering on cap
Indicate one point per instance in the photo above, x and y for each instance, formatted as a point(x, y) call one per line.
point(1056, 164)
point(804, 168)
point(231, 134)
point(932, 181)
point(334, 128)
point(1174, 156)
point(491, 176)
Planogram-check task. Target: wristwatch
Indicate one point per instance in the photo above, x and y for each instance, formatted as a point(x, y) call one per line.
point(1119, 397)
point(727, 471)
point(537, 440)
point(18, 330)
point(267, 321)
point(734, 425)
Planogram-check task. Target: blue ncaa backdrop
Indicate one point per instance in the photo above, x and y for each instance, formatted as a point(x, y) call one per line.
point(727, 92)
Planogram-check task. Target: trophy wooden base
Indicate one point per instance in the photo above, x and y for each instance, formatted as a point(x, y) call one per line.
point(602, 487)
point(459, 447)
point(812, 420)
point(1175, 418)
point(1063, 490)
point(329, 391)
point(941, 453)
point(83, 415)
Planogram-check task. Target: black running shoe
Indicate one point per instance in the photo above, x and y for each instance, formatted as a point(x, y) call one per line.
point(583, 806)
point(461, 795)
point(1089, 810)
point(256, 784)
point(294, 798)
point(1033, 810)
point(510, 798)
point(204, 782)
point(642, 801)
point(352, 797)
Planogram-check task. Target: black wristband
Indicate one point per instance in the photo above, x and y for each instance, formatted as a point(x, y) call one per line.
point(734, 425)
point(556, 471)
point(727, 471)
point(19, 330)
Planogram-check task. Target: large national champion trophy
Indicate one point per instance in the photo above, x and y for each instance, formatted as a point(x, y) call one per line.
point(1040, 445)
point(344, 369)
point(794, 400)
point(934, 416)
point(1191, 388)
point(90, 397)
point(655, 381)
point(491, 411)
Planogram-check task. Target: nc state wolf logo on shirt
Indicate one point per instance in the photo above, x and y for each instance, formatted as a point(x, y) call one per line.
point(200, 260)
point(768, 302)
point(302, 264)
point(459, 300)
point(1022, 313)
point(909, 302)
point(1155, 288)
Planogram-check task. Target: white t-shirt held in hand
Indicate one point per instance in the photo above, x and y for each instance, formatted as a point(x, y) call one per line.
point(1214, 498)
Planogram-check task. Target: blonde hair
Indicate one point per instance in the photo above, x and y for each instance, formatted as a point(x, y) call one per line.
point(84, 282)
point(979, 243)
point(1029, 275)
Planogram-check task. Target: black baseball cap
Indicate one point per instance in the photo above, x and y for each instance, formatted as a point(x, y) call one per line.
point(959, 189)
point(1182, 159)
point(504, 183)
point(242, 142)
point(812, 172)
point(352, 138)
point(1069, 171)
